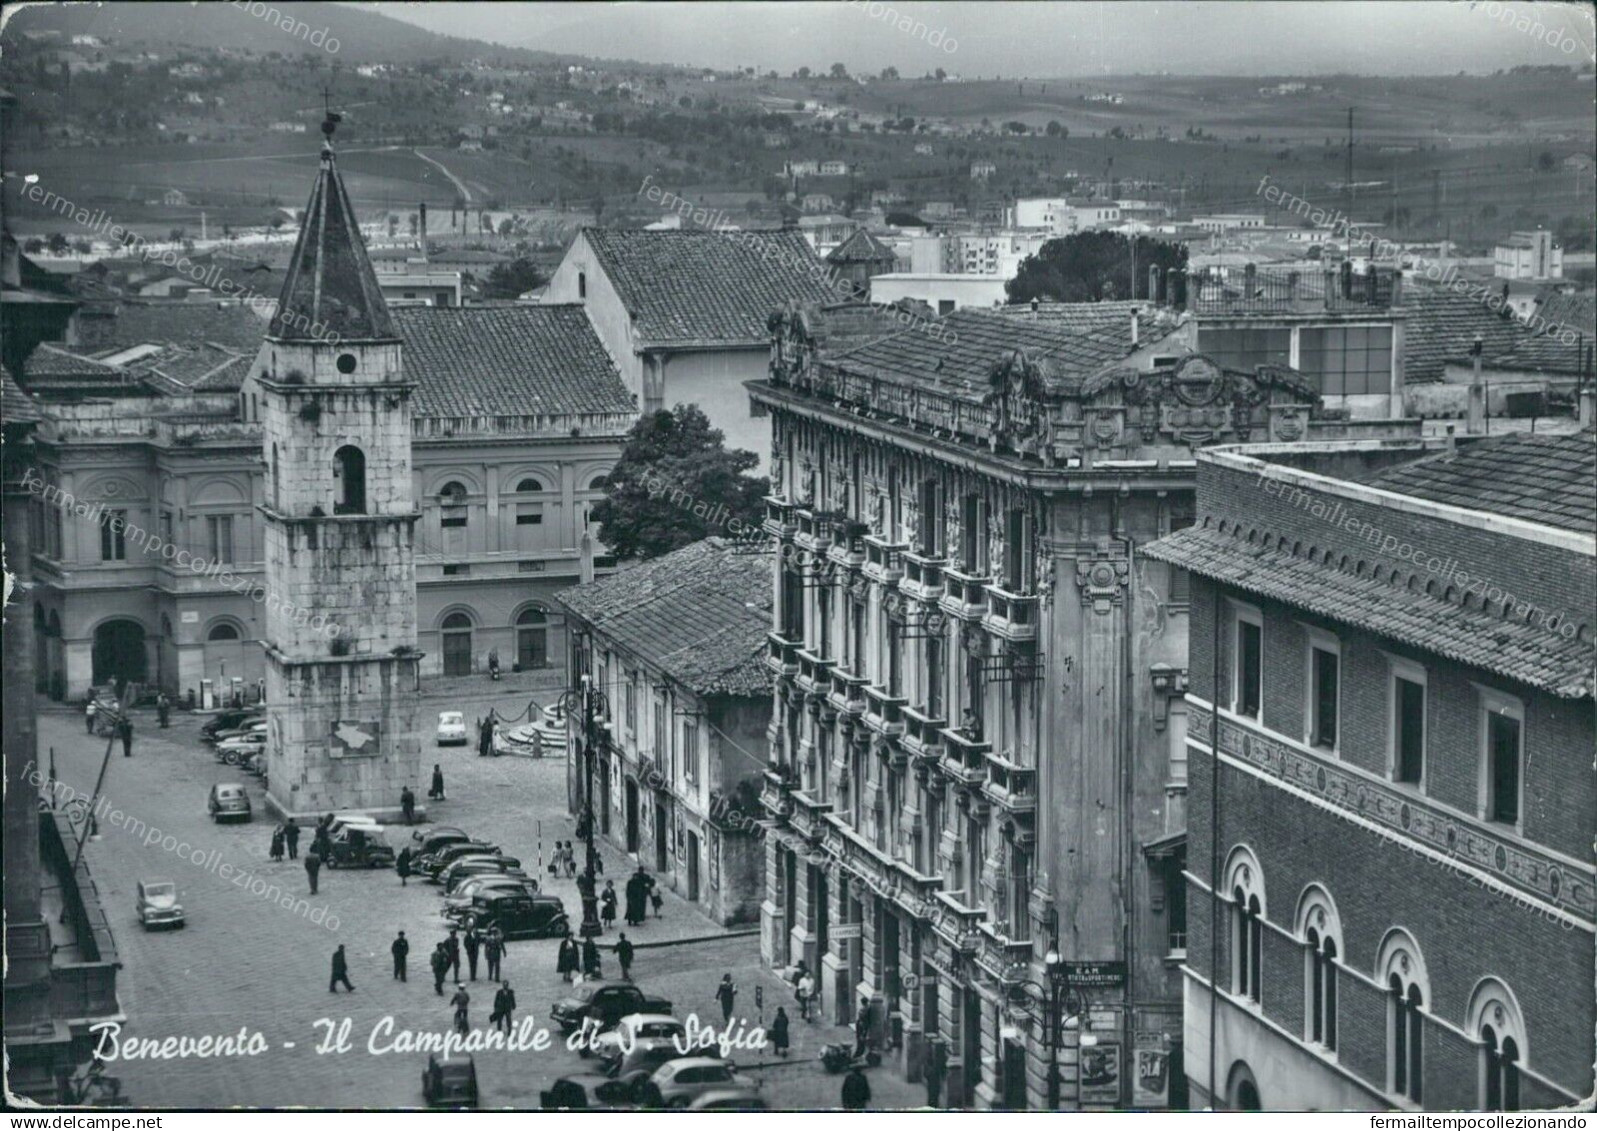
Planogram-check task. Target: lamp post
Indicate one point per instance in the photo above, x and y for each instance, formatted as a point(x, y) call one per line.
point(590, 701)
point(1053, 964)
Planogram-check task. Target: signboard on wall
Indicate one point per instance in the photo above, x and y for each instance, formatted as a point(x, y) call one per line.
point(1100, 974)
point(355, 738)
point(1150, 1087)
point(1100, 1073)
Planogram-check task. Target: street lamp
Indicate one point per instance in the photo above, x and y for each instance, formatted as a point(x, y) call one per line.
point(589, 701)
point(1054, 965)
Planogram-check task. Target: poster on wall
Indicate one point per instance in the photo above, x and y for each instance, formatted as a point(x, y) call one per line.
point(1100, 1073)
point(1150, 1087)
point(715, 858)
point(355, 738)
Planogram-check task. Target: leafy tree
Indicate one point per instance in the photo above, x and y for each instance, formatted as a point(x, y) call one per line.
point(509, 280)
point(802, 72)
point(33, 246)
point(1090, 267)
point(677, 483)
point(1055, 129)
point(889, 74)
point(56, 242)
point(839, 71)
point(940, 74)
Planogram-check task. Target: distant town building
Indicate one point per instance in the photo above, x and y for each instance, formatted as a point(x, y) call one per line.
point(981, 170)
point(1229, 222)
point(1528, 255)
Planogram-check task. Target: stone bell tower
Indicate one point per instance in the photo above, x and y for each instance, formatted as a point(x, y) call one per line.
point(342, 665)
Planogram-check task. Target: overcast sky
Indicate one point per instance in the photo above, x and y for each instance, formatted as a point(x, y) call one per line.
point(1090, 37)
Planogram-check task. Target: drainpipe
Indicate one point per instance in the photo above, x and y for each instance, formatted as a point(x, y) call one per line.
point(1214, 839)
point(1127, 752)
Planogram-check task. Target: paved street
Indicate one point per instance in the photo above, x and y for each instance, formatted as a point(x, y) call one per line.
point(244, 960)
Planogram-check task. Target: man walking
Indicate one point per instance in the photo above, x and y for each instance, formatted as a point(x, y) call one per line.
point(461, 1001)
point(473, 948)
point(493, 949)
point(452, 949)
point(624, 952)
point(340, 972)
point(440, 964)
point(402, 865)
point(401, 952)
point(163, 710)
point(291, 839)
point(726, 993)
point(407, 802)
point(313, 866)
point(856, 1090)
point(89, 712)
point(437, 791)
point(125, 729)
point(806, 994)
point(504, 1007)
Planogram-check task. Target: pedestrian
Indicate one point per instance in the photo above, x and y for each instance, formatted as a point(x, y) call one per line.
point(125, 730)
point(862, 1028)
point(452, 948)
point(291, 838)
point(590, 959)
point(340, 972)
point(726, 993)
point(473, 949)
point(437, 791)
point(493, 949)
point(608, 899)
point(779, 1031)
point(566, 960)
point(461, 1001)
point(407, 802)
point(936, 1072)
point(658, 900)
point(504, 1006)
point(485, 737)
point(322, 841)
point(277, 844)
point(635, 897)
point(402, 865)
point(624, 951)
point(401, 952)
point(805, 993)
point(440, 964)
point(313, 865)
point(89, 712)
point(856, 1090)
point(163, 710)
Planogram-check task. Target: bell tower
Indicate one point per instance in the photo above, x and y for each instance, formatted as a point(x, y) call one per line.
point(342, 665)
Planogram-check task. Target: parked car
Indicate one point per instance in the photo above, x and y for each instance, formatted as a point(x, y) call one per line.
point(729, 1099)
point(431, 840)
point(586, 1092)
point(518, 916)
point(228, 720)
point(233, 751)
point(431, 864)
point(249, 725)
point(639, 1043)
point(158, 905)
point(346, 820)
point(465, 867)
point(678, 1083)
point(450, 1081)
point(254, 763)
point(606, 1003)
point(228, 802)
point(460, 898)
point(452, 728)
point(360, 846)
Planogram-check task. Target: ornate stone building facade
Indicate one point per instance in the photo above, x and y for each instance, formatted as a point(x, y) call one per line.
point(977, 793)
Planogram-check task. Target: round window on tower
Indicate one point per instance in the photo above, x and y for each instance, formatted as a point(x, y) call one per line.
point(346, 363)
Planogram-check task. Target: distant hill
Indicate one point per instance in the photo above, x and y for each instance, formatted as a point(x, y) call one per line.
point(360, 36)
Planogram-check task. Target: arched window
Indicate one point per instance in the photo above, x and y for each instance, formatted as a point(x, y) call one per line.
point(1319, 927)
point(582, 284)
point(452, 494)
point(456, 629)
point(223, 631)
point(1403, 972)
point(528, 486)
point(1245, 883)
point(599, 483)
point(532, 639)
point(1494, 1017)
point(350, 471)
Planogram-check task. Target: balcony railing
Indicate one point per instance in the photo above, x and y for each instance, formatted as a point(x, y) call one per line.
point(1251, 291)
point(848, 691)
point(807, 813)
point(1010, 615)
point(964, 758)
point(884, 560)
point(884, 712)
point(923, 736)
point(812, 531)
point(923, 577)
point(779, 517)
point(815, 673)
point(964, 595)
point(848, 543)
point(783, 657)
point(1010, 786)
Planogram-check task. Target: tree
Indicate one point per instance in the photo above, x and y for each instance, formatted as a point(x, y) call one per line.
point(839, 71)
point(56, 242)
point(802, 72)
point(889, 74)
point(677, 483)
point(513, 279)
point(1057, 130)
point(940, 74)
point(1092, 266)
point(34, 245)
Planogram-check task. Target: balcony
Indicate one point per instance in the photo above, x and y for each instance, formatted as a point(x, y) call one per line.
point(814, 674)
point(964, 758)
point(884, 560)
point(923, 736)
point(1251, 291)
point(1012, 616)
point(1011, 787)
point(964, 595)
point(923, 577)
point(848, 543)
point(960, 921)
point(807, 815)
point(783, 657)
point(775, 792)
point(884, 711)
point(848, 691)
point(780, 517)
point(812, 531)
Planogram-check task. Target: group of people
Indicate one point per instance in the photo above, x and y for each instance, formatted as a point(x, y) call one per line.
point(445, 960)
point(286, 835)
point(564, 860)
point(575, 962)
point(641, 892)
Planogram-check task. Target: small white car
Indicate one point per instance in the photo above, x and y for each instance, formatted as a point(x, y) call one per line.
point(452, 728)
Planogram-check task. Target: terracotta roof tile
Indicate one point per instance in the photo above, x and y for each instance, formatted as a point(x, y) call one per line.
point(1443, 323)
point(16, 407)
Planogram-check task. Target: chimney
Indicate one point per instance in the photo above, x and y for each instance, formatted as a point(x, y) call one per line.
point(1588, 407)
point(1034, 306)
point(1177, 286)
point(1155, 284)
point(1477, 392)
point(421, 210)
point(1134, 327)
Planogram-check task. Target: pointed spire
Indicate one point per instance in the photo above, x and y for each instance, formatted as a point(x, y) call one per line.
point(331, 291)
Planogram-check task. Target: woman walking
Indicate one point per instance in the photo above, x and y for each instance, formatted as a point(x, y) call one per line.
point(277, 844)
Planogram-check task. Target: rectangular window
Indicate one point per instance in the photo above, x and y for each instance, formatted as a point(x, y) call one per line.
point(113, 536)
point(456, 570)
point(166, 527)
point(632, 703)
point(690, 749)
point(219, 531)
point(1246, 350)
point(453, 517)
point(1504, 727)
point(1324, 685)
point(1248, 667)
point(659, 736)
point(1408, 727)
point(529, 518)
point(1348, 360)
point(1017, 551)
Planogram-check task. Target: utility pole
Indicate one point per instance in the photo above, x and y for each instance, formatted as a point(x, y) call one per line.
point(1350, 193)
point(589, 701)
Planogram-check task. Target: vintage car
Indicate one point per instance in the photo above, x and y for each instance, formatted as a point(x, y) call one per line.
point(604, 1004)
point(586, 1092)
point(680, 1082)
point(452, 728)
point(461, 897)
point(231, 720)
point(639, 1044)
point(359, 846)
point(450, 1081)
point(158, 905)
point(432, 864)
point(228, 802)
point(517, 916)
point(463, 868)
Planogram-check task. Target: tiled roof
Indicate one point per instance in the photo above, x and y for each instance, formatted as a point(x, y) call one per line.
point(234, 326)
point(198, 368)
point(330, 287)
point(508, 360)
point(695, 286)
point(955, 354)
point(700, 614)
point(48, 362)
point(1529, 653)
point(16, 407)
point(861, 247)
point(1443, 323)
point(1544, 353)
point(1550, 480)
point(1577, 312)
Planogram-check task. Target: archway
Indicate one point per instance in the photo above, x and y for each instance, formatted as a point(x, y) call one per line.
point(1242, 1090)
point(532, 639)
point(456, 631)
point(118, 654)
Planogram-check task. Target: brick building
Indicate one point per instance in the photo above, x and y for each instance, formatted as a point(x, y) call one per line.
point(1392, 806)
point(978, 752)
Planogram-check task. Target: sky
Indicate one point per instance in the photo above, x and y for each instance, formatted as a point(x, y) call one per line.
point(1041, 39)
